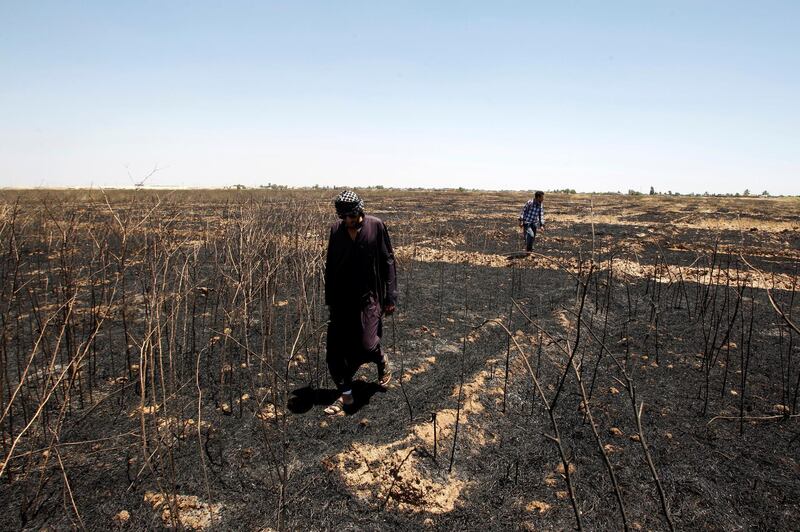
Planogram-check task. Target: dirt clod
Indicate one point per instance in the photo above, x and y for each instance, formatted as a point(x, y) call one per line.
point(537, 506)
point(192, 512)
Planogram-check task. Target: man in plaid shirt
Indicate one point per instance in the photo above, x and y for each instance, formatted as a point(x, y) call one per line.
point(531, 219)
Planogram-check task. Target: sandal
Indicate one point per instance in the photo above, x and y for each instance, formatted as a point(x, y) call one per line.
point(337, 407)
point(384, 372)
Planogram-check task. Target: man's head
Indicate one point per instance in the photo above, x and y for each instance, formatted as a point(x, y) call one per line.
point(349, 207)
point(538, 196)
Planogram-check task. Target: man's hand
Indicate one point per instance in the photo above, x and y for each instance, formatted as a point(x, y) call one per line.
point(388, 309)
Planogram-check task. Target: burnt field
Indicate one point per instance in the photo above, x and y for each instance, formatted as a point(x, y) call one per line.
point(162, 364)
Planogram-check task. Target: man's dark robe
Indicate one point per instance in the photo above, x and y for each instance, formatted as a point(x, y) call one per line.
point(360, 279)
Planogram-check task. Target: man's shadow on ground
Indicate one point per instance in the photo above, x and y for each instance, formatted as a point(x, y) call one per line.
point(304, 399)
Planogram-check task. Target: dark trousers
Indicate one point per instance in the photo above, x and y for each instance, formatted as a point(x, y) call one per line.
point(528, 238)
point(354, 338)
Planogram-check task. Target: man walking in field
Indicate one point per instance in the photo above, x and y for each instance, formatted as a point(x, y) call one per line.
point(531, 219)
point(360, 286)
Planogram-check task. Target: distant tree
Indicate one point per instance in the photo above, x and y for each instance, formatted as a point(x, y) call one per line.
point(746, 192)
point(765, 193)
point(652, 191)
point(632, 192)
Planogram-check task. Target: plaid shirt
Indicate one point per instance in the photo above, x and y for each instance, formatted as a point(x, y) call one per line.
point(532, 213)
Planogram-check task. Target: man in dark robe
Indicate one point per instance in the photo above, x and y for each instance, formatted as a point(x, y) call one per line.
point(360, 286)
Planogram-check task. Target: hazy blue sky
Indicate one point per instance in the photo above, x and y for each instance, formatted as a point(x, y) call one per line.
point(686, 96)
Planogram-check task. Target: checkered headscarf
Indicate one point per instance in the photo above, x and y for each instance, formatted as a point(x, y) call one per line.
point(348, 202)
